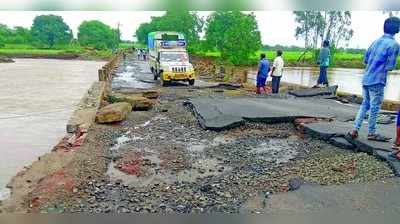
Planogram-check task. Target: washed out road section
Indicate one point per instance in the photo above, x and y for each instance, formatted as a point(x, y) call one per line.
point(37, 96)
point(337, 119)
point(222, 113)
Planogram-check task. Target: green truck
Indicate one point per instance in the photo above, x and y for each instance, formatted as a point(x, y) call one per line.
point(168, 57)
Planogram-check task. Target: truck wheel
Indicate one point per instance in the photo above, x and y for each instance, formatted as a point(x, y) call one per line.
point(191, 82)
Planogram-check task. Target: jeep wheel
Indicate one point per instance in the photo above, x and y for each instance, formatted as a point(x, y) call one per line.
point(191, 82)
point(164, 83)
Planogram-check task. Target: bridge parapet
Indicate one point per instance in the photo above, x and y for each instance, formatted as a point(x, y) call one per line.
point(105, 73)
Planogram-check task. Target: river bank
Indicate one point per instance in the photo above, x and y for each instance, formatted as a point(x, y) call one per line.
point(161, 160)
point(38, 97)
point(65, 54)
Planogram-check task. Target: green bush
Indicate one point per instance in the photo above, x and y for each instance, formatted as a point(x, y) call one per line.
point(97, 35)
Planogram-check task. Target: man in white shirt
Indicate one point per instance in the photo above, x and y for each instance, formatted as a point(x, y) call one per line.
point(277, 70)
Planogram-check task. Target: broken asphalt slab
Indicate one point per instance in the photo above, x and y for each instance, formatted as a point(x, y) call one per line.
point(223, 113)
point(327, 91)
point(337, 129)
point(375, 197)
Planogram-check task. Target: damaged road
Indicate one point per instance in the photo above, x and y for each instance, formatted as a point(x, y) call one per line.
point(160, 160)
point(330, 120)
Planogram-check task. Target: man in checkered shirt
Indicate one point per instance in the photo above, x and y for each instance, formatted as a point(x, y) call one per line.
point(380, 58)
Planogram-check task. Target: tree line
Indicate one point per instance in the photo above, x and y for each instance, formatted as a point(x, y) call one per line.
point(233, 33)
point(236, 34)
point(50, 31)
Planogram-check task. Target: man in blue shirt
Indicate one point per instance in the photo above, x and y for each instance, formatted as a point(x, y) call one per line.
point(380, 58)
point(262, 74)
point(323, 61)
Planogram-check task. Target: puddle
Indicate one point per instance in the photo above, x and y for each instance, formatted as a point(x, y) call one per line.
point(221, 140)
point(145, 124)
point(196, 148)
point(200, 169)
point(150, 177)
point(120, 141)
point(4, 194)
point(129, 80)
point(276, 150)
point(134, 75)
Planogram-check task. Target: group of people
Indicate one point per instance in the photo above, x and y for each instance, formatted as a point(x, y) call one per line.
point(380, 58)
point(276, 72)
point(141, 54)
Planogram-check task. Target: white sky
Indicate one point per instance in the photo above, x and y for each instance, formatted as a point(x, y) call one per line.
point(277, 27)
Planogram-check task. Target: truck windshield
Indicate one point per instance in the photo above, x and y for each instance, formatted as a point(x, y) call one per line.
point(174, 56)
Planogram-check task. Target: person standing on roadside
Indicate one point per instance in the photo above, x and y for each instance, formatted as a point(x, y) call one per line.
point(138, 52)
point(380, 58)
point(277, 71)
point(323, 61)
point(262, 74)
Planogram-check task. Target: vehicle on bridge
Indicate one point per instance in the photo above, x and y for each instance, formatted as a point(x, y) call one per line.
point(168, 57)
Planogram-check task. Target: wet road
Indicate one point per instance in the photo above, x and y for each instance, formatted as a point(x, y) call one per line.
point(37, 97)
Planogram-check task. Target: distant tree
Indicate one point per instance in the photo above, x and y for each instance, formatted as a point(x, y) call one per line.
point(5, 33)
point(315, 26)
point(2, 41)
point(188, 23)
point(50, 30)
point(234, 34)
point(310, 27)
point(97, 35)
point(143, 30)
point(337, 27)
point(21, 35)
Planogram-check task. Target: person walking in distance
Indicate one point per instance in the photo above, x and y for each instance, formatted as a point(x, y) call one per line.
point(277, 71)
point(323, 61)
point(262, 74)
point(138, 51)
point(380, 58)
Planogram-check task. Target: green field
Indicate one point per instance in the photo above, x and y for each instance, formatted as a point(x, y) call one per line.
point(291, 58)
point(21, 50)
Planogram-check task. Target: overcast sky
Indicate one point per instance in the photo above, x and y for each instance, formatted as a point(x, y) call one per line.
point(277, 27)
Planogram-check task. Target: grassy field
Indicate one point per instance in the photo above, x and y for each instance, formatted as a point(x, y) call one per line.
point(21, 50)
point(340, 59)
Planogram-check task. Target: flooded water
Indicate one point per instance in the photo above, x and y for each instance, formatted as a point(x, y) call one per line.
point(348, 80)
point(133, 74)
point(37, 97)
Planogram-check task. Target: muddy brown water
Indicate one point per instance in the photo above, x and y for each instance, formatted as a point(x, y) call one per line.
point(348, 80)
point(37, 97)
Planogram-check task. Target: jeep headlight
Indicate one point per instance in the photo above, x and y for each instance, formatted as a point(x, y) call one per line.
point(165, 68)
point(190, 68)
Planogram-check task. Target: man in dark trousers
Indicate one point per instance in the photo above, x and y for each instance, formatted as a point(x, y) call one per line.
point(380, 58)
point(323, 61)
point(262, 74)
point(277, 71)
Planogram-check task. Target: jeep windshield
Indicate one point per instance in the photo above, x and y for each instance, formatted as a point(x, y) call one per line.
point(174, 57)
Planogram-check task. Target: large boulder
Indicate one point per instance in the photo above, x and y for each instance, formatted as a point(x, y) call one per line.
point(113, 112)
point(137, 102)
